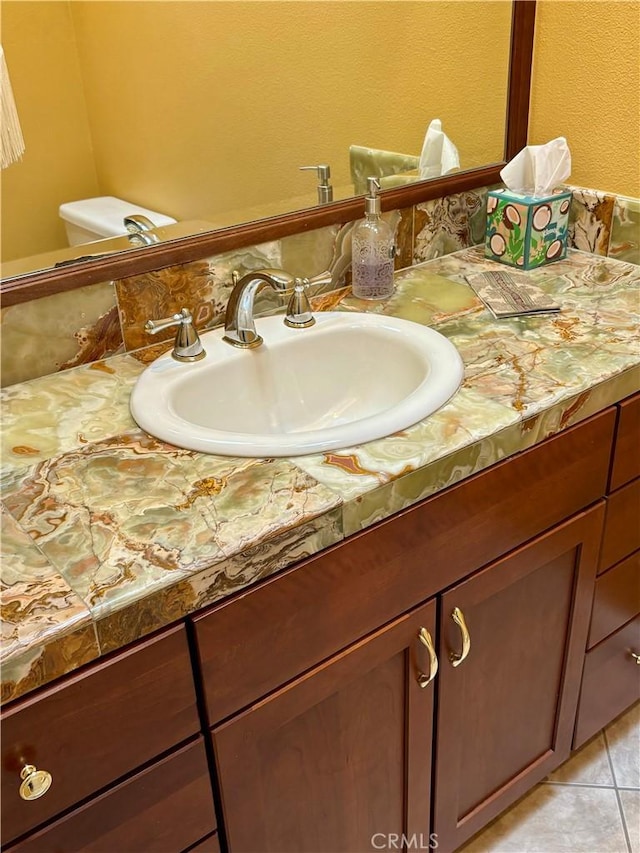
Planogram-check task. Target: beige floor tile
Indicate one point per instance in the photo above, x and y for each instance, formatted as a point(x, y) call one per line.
point(623, 740)
point(589, 766)
point(557, 819)
point(631, 809)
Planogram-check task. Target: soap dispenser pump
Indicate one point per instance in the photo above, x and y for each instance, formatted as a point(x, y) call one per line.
point(373, 250)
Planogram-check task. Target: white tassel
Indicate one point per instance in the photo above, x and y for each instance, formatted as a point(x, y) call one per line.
point(11, 132)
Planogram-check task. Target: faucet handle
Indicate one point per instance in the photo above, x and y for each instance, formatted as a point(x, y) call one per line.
point(320, 280)
point(187, 346)
point(299, 314)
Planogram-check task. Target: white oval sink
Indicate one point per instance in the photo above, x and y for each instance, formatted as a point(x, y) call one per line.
point(348, 379)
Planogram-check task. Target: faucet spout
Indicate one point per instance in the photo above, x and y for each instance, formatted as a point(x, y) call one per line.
point(138, 222)
point(239, 326)
point(139, 228)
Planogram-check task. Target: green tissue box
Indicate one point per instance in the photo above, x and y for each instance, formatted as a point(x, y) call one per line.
point(524, 231)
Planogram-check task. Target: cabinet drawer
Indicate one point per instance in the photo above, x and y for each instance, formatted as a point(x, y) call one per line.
point(610, 681)
point(251, 644)
point(622, 525)
point(616, 600)
point(626, 458)
point(96, 726)
point(166, 807)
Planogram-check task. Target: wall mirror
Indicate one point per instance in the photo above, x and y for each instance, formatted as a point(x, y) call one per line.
point(205, 110)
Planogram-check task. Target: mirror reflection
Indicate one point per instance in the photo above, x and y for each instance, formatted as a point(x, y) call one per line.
point(204, 112)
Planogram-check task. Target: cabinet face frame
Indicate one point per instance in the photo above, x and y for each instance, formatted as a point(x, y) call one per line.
point(244, 777)
point(579, 537)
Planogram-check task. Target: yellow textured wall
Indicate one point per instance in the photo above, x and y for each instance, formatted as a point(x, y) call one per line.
point(39, 44)
point(586, 87)
point(219, 102)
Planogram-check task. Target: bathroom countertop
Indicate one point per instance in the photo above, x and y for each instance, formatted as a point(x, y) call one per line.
point(108, 534)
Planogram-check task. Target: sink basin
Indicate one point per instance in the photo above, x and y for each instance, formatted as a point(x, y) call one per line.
point(348, 379)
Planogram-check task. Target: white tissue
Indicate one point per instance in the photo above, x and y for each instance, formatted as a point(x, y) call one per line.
point(439, 155)
point(538, 169)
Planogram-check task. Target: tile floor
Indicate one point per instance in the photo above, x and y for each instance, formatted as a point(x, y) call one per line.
point(589, 805)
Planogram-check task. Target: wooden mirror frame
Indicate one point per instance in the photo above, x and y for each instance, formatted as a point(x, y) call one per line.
point(125, 264)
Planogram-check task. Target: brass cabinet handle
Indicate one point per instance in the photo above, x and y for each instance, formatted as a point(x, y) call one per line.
point(458, 617)
point(635, 656)
point(35, 783)
point(423, 678)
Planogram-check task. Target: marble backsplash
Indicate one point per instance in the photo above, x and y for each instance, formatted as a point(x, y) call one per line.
point(605, 224)
point(92, 323)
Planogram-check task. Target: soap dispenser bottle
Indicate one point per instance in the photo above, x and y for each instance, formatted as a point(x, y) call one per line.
point(373, 250)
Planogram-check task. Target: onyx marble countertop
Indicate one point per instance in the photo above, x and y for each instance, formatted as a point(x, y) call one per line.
point(108, 533)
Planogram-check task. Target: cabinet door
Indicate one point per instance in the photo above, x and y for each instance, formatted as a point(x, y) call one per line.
point(340, 756)
point(506, 712)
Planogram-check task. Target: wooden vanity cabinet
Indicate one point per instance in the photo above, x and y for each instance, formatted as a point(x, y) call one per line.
point(313, 694)
point(339, 751)
point(341, 758)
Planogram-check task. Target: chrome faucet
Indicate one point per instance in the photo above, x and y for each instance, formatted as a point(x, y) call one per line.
point(138, 227)
point(138, 222)
point(239, 326)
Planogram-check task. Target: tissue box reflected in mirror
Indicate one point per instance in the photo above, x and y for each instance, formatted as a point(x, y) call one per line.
point(525, 231)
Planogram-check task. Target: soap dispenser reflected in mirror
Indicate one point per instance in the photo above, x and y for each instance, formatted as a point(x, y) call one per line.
point(325, 190)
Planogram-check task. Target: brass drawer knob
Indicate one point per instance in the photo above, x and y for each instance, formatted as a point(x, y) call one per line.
point(635, 656)
point(35, 783)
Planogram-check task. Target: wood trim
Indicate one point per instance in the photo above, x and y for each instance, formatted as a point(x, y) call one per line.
point(520, 63)
point(124, 264)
